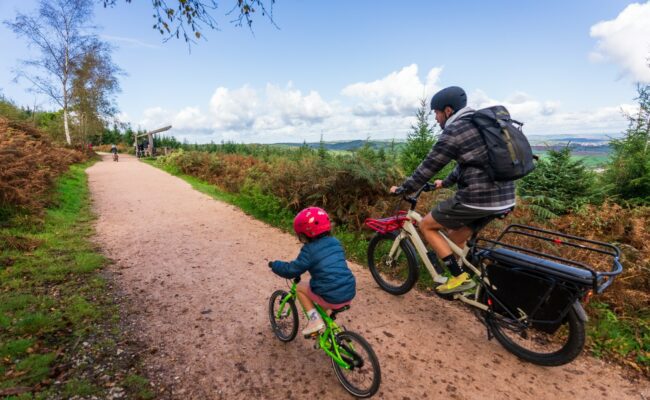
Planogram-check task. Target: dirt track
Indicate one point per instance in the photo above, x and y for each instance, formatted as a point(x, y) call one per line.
point(195, 269)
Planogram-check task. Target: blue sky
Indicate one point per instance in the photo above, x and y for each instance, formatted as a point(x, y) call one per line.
point(357, 69)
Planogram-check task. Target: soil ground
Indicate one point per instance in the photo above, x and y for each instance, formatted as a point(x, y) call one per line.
point(195, 273)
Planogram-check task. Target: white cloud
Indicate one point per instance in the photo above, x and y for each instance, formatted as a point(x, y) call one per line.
point(398, 93)
point(625, 40)
point(189, 118)
point(233, 109)
point(153, 117)
point(547, 117)
point(380, 109)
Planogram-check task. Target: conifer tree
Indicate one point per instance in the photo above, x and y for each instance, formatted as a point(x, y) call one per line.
point(628, 172)
point(418, 142)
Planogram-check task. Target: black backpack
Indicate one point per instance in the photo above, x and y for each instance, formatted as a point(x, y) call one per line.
point(509, 153)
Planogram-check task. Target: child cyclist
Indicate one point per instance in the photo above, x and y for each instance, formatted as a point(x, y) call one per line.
point(332, 284)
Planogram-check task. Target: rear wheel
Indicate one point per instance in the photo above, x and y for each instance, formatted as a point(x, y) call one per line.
point(395, 273)
point(539, 347)
point(363, 377)
point(284, 322)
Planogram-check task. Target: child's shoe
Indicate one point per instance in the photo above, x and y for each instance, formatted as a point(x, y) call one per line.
point(314, 325)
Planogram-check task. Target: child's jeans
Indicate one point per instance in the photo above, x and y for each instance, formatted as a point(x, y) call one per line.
point(319, 300)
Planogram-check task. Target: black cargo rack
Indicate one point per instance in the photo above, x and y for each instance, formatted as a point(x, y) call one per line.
point(566, 268)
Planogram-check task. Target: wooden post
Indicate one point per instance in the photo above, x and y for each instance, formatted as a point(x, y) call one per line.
point(150, 138)
point(150, 134)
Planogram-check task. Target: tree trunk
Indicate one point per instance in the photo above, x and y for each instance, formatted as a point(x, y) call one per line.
point(65, 126)
point(66, 71)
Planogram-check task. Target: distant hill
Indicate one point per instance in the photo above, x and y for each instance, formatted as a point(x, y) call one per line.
point(349, 145)
point(597, 142)
point(593, 149)
point(593, 139)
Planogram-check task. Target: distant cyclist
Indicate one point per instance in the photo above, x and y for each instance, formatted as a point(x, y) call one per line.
point(114, 151)
point(478, 196)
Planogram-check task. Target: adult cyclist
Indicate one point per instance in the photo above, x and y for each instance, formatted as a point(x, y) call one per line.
point(114, 151)
point(477, 196)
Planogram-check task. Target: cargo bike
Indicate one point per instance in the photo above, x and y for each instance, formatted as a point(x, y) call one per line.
point(531, 282)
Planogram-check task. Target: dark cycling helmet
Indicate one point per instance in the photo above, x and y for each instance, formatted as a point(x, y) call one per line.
point(452, 96)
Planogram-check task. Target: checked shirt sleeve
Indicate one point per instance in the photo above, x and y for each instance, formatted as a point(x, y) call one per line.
point(452, 178)
point(440, 155)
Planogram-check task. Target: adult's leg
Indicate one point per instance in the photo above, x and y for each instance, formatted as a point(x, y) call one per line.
point(460, 236)
point(429, 228)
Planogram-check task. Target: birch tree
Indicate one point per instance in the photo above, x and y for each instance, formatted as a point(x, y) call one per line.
point(94, 85)
point(57, 29)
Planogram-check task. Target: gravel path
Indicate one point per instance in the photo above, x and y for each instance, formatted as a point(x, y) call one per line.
point(195, 271)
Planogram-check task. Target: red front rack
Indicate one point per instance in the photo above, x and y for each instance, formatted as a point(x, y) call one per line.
point(389, 224)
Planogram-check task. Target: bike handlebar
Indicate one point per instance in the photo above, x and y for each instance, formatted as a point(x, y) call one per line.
point(413, 200)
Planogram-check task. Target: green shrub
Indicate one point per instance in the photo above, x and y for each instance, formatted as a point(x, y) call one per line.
point(558, 185)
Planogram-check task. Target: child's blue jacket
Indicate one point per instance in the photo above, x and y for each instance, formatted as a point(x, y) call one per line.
point(324, 258)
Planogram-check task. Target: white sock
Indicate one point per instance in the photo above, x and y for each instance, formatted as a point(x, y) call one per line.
point(312, 314)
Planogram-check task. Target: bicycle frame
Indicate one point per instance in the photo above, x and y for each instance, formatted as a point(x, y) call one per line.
point(408, 231)
point(327, 338)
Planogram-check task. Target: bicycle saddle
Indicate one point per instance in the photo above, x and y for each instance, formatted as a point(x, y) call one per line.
point(482, 222)
point(339, 310)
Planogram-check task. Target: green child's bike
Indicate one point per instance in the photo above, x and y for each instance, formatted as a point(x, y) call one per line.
point(354, 362)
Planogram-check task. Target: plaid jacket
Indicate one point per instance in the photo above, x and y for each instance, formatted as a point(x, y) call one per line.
point(461, 141)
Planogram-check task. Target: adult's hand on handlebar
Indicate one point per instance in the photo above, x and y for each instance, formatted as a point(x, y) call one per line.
point(438, 183)
point(396, 190)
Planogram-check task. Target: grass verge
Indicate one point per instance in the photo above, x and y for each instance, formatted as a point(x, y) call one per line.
point(59, 325)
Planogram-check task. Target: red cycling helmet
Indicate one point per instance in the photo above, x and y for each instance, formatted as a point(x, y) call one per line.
point(312, 221)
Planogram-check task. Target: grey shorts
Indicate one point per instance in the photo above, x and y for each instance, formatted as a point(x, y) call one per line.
point(453, 215)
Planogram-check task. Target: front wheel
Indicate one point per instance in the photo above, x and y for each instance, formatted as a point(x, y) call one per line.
point(284, 318)
point(363, 377)
point(395, 273)
point(538, 347)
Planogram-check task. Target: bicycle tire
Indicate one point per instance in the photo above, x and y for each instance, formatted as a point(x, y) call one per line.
point(570, 348)
point(344, 340)
point(408, 278)
point(291, 318)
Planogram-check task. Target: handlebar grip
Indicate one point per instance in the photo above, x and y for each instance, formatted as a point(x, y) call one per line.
point(400, 190)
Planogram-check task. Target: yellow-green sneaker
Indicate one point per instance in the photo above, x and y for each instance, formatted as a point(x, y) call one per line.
point(456, 284)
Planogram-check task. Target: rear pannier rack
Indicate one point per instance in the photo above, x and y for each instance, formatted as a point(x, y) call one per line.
point(561, 267)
